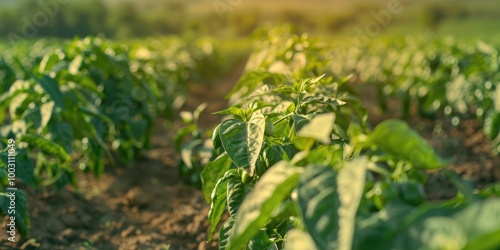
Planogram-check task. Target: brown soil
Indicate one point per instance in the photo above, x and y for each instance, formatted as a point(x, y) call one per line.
point(146, 206)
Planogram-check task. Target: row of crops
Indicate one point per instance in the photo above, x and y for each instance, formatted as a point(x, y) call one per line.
point(85, 104)
point(294, 163)
point(296, 166)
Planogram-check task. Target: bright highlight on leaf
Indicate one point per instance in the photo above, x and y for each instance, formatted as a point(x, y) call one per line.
point(320, 128)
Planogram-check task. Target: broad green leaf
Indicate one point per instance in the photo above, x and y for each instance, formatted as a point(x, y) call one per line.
point(257, 208)
point(51, 87)
point(479, 218)
point(21, 210)
point(320, 128)
point(243, 141)
point(236, 192)
point(47, 147)
point(398, 139)
point(488, 241)
point(379, 230)
point(438, 232)
point(261, 241)
point(225, 234)
point(351, 182)
point(274, 154)
point(212, 172)
point(218, 204)
point(282, 129)
point(318, 200)
point(299, 240)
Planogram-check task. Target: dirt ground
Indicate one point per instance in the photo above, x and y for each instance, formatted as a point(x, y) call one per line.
point(146, 206)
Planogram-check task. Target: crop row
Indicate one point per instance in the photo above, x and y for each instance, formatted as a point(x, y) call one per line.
point(296, 166)
point(90, 102)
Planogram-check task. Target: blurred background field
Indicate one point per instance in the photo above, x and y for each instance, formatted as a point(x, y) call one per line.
point(127, 18)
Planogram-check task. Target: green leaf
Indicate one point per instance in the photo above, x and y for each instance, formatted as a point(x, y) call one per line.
point(261, 241)
point(51, 87)
point(492, 189)
point(139, 129)
point(243, 141)
point(21, 210)
point(274, 154)
point(320, 128)
point(351, 183)
point(317, 79)
point(318, 200)
point(488, 241)
point(47, 147)
point(225, 233)
point(492, 125)
point(399, 140)
point(378, 231)
point(479, 218)
point(236, 192)
point(212, 172)
point(437, 232)
point(239, 113)
point(218, 204)
point(299, 240)
point(257, 208)
point(299, 121)
point(321, 100)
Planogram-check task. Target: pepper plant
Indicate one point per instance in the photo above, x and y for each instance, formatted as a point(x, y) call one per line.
point(297, 167)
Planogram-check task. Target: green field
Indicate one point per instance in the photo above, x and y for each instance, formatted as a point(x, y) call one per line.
point(255, 125)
